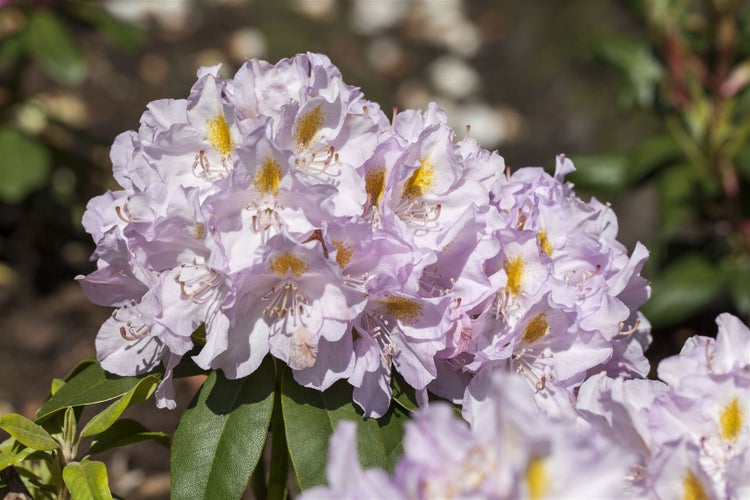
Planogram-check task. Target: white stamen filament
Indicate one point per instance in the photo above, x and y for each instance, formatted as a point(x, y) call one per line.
point(379, 328)
point(525, 365)
point(372, 214)
point(356, 281)
point(123, 213)
point(418, 214)
point(203, 168)
point(432, 282)
point(199, 288)
point(134, 328)
point(501, 303)
point(316, 164)
point(266, 220)
point(286, 299)
point(625, 332)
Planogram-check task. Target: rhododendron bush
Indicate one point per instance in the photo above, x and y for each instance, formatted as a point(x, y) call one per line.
point(348, 278)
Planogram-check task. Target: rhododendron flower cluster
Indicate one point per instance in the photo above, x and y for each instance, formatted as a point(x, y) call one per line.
point(281, 213)
point(284, 213)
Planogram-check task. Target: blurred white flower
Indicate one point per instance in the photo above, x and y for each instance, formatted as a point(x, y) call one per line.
point(247, 43)
point(172, 15)
point(454, 77)
point(385, 54)
point(315, 9)
point(369, 17)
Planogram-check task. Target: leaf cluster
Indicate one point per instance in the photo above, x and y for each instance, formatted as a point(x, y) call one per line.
point(49, 452)
point(691, 73)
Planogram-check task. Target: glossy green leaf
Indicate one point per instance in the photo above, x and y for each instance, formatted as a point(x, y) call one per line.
point(311, 416)
point(602, 173)
point(87, 479)
point(392, 429)
point(125, 432)
point(278, 470)
point(55, 386)
point(89, 386)
point(79, 367)
point(403, 393)
point(102, 421)
point(24, 166)
point(682, 289)
point(221, 435)
point(51, 44)
point(27, 432)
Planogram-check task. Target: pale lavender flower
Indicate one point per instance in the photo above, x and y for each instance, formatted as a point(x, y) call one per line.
point(620, 408)
point(401, 331)
point(346, 478)
point(710, 412)
point(511, 450)
point(290, 299)
point(676, 472)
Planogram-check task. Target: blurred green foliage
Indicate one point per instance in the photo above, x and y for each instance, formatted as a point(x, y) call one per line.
point(692, 73)
point(39, 36)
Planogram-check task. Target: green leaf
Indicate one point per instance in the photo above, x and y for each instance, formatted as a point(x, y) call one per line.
point(639, 66)
point(55, 386)
point(187, 367)
point(27, 432)
point(125, 432)
point(278, 473)
point(311, 416)
point(70, 426)
point(88, 386)
point(675, 187)
point(403, 393)
point(739, 287)
point(125, 35)
point(24, 165)
point(79, 367)
point(650, 154)
point(11, 49)
point(87, 479)
point(742, 160)
point(102, 421)
point(682, 289)
point(221, 435)
point(14, 453)
point(602, 173)
point(392, 428)
point(51, 44)
point(61, 425)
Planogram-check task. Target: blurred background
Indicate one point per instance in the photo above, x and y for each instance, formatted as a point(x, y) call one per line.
point(648, 97)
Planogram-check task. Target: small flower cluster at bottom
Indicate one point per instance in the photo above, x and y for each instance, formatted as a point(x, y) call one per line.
point(685, 436)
